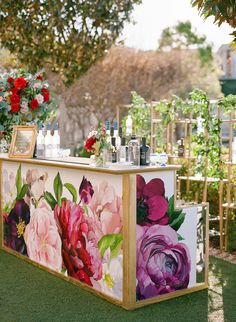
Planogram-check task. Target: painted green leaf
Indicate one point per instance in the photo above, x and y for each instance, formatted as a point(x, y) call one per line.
point(58, 187)
point(18, 181)
point(50, 199)
point(23, 191)
point(180, 237)
point(112, 241)
point(72, 190)
point(171, 204)
point(176, 223)
point(141, 214)
point(175, 214)
point(85, 209)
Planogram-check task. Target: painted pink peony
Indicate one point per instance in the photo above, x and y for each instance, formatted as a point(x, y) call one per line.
point(163, 264)
point(152, 205)
point(105, 212)
point(81, 257)
point(42, 239)
point(36, 182)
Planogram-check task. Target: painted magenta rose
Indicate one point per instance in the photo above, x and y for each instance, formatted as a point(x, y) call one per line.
point(163, 264)
point(152, 205)
point(42, 239)
point(81, 256)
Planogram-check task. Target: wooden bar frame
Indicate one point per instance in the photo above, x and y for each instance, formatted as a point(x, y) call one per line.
point(129, 301)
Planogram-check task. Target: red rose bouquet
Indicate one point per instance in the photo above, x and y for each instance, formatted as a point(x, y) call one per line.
point(24, 99)
point(97, 141)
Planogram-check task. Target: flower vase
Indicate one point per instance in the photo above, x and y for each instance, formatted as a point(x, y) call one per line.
point(98, 160)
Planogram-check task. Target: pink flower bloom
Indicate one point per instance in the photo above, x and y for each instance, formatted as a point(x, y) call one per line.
point(42, 239)
point(1, 98)
point(39, 98)
point(36, 182)
point(105, 212)
point(24, 107)
point(163, 264)
point(81, 256)
point(37, 85)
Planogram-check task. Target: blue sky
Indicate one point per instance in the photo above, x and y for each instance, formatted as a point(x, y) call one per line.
point(152, 16)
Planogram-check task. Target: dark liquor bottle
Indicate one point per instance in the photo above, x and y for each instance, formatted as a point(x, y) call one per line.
point(112, 131)
point(181, 148)
point(114, 150)
point(144, 153)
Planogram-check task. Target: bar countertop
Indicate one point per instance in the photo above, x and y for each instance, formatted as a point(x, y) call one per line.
point(83, 164)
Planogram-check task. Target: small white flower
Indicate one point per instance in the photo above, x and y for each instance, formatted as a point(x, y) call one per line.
point(112, 281)
point(92, 133)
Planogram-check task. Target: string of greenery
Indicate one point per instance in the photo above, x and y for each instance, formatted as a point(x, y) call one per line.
point(206, 144)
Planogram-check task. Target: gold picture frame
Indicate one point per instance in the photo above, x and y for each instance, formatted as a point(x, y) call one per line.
point(23, 141)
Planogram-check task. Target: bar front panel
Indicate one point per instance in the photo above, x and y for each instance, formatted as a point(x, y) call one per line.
point(69, 221)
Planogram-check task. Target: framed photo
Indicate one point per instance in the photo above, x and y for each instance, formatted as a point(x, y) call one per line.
point(23, 141)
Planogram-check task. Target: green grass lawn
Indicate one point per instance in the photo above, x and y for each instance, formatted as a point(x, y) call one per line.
point(31, 294)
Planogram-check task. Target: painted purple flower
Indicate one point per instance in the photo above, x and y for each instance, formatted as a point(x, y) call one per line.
point(152, 205)
point(163, 264)
point(86, 191)
point(14, 226)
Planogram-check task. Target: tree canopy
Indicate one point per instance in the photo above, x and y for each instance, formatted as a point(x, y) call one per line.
point(183, 36)
point(68, 36)
point(223, 10)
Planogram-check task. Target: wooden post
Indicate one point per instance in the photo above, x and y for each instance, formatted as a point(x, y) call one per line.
point(129, 233)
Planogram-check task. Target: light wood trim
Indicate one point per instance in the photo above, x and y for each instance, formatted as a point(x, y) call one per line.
point(221, 213)
point(164, 297)
point(1, 212)
point(206, 205)
point(113, 171)
point(129, 245)
point(16, 129)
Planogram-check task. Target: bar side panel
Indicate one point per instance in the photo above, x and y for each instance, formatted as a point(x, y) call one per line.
point(170, 242)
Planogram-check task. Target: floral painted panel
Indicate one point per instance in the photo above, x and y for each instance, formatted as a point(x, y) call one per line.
point(163, 257)
point(66, 221)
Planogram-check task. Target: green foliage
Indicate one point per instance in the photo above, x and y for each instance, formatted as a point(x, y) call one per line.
point(112, 241)
point(206, 144)
point(50, 199)
point(176, 216)
point(18, 180)
point(72, 190)
point(58, 188)
point(183, 36)
point(68, 36)
point(222, 10)
point(21, 189)
point(140, 112)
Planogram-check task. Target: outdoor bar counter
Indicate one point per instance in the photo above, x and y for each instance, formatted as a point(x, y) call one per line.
point(114, 231)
